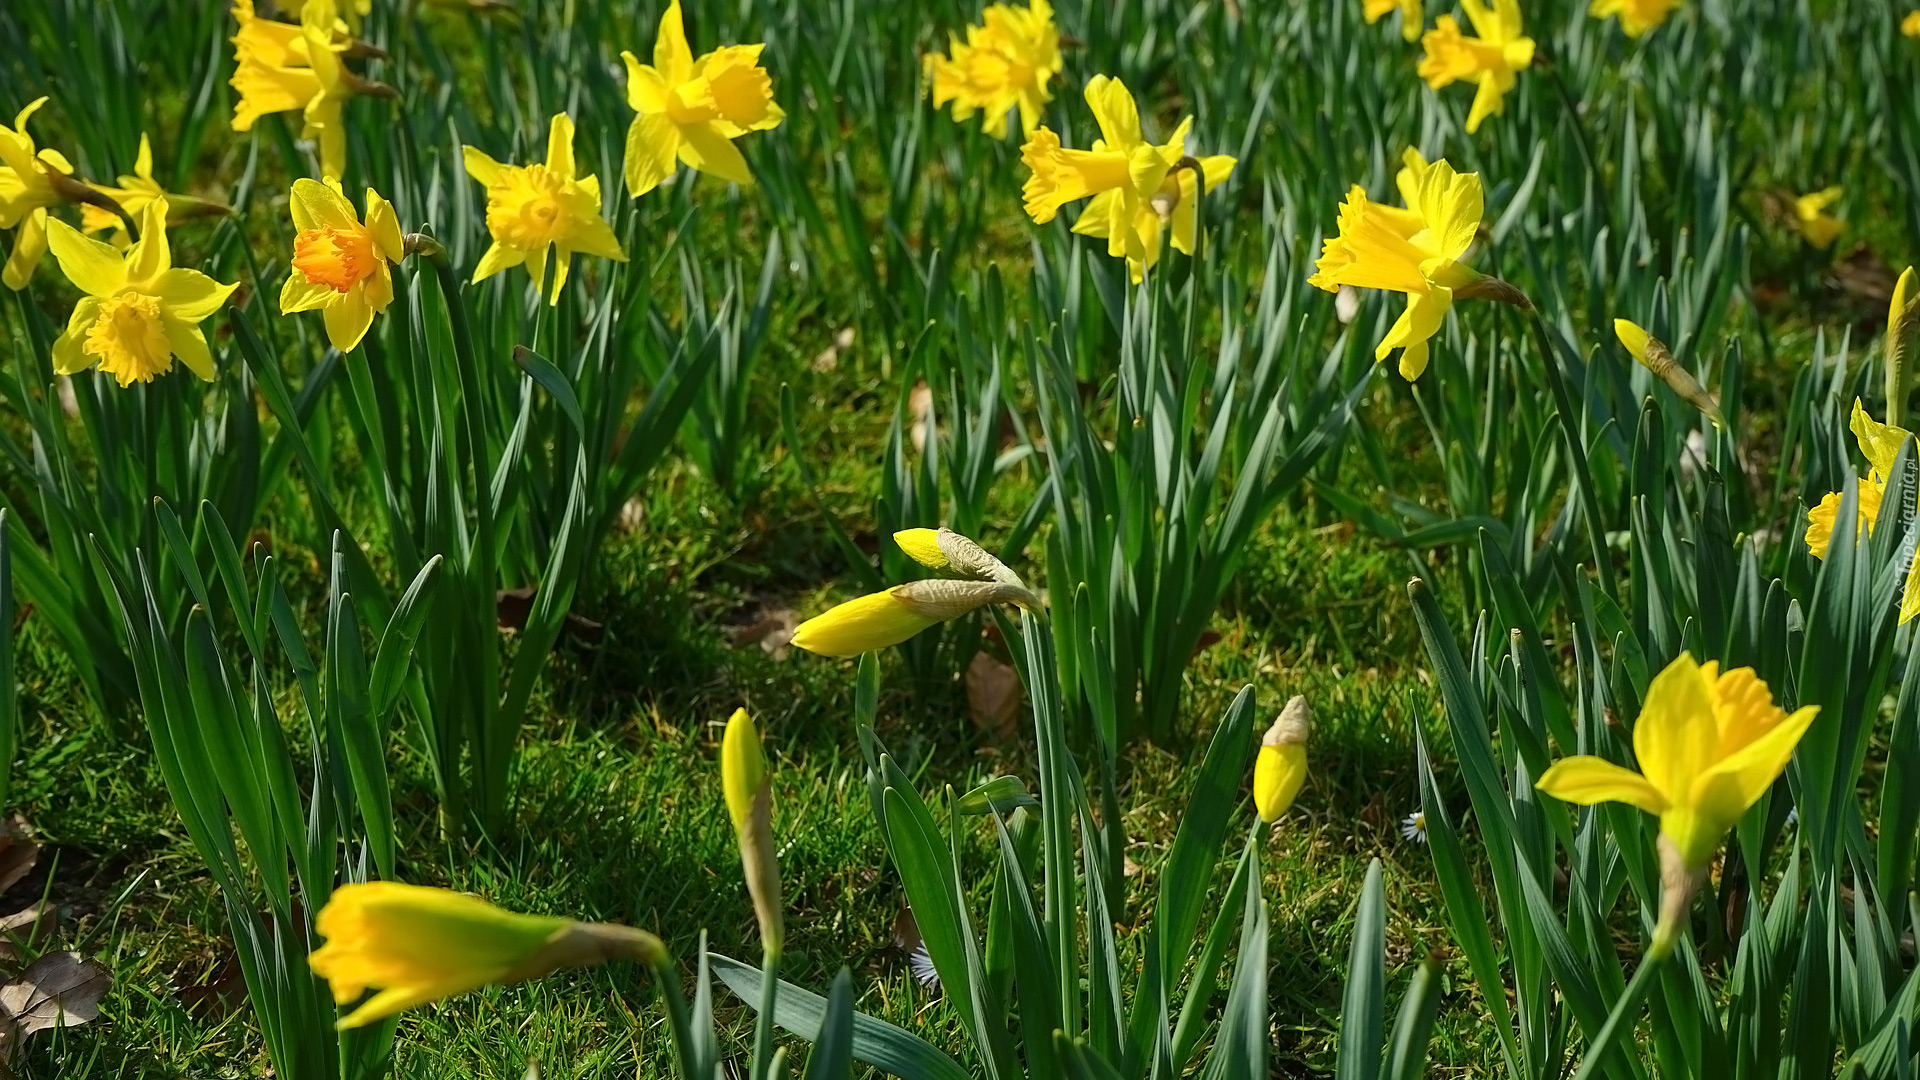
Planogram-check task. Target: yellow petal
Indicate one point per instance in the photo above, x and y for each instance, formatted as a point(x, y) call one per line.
point(29, 244)
point(1278, 773)
point(560, 146)
point(1632, 338)
point(347, 320)
point(94, 268)
point(671, 54)
point(1585, 779)
point(384, 225)
point(316, 205)
point(1115, 112)
point(497, 258)
point(923, 547)
point(1723, 793)
point(1676, 737)
point(483, 168)
point(152, 254)
point(743, 767)
point(653, 149)
point(704, 149)
point(189, 346)
point(190, 294)
point(871, 622)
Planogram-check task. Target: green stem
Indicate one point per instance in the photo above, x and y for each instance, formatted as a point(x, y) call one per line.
point(1625, 1012)
point(763, 1022)
point(1570, 428)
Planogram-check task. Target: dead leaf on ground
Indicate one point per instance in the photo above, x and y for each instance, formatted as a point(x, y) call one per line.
point(18, 852)
point(994, 695)
point(26, 926)
point(215, 997)
point(772, 631)
point(511, 607)
point(920, 411)
point(58, 990)
point(1208, 638)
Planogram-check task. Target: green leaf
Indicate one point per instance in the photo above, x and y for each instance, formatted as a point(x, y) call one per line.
point(1363, 1010)
point(875, 1042)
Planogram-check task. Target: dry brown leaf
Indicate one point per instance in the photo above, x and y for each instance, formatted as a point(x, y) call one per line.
point(994, 695)
point(36, 923)
point(58, 990)
point(217, 996)
point(772, 631)
point(18, 852)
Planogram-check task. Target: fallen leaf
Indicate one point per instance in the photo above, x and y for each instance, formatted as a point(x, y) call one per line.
point(58, 990)
point(215, 997)
point(994, 695)
point(18, 852)
point(512, 606)
point(1208, 638)
point(772, 631)
point(26, 926)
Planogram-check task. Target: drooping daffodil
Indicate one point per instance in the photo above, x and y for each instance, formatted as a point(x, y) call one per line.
point(340, 266)
point(1811, 217)
point(1493, 60)
point(1636, 16)
point(1137, 188)
point(140, 312)
point(1412, 17)
point(26, 191)
point(531, 208)
point(280, 68)
point(415, 945)
point(135, 191)
point(690, 110)
point(1004, 64)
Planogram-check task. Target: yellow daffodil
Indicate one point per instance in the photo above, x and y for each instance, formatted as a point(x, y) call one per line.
point(1412, 18)
point(533, 207)
point(1654, 355)
point(140, 312)
point(280, 71)
point(1137, 188)
point(1636, 16)
point(1493, 60)
point(1910, 24)
point(1810, 214)
point(340, 266)
point(1418, 250)
point(893, 615)
point(690, 111)
point(415, 945)
point(1709, 745)
point(1281, 766)
point(1880, 445)
point(136, 190)
point(743, 779)
point(1005, 63)
point(26, 191)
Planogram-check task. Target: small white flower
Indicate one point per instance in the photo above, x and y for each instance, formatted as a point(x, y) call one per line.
point(1414, 827)
point(1793, 817)
point(920, 963)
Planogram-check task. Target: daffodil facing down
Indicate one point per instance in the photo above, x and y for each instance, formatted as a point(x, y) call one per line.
point(690, 110)
point(1281, 766)
point(1412, 18)
point(27, 189)
point(1910, 24)
point(1653, 354)
point(1636, 16)
point(1493, 60)
point(1811, 218)
point(135, 191)
point(531, 208)
point(280, 67)
point(1880, 445)
point(1138, 189)
point(1419, 250)
point(140, 312)
point(743, 779)
point(1709, 745)
point(416, 945)
point(1005, 64)
point(341, 267)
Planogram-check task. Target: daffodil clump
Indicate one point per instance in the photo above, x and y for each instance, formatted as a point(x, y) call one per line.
point(417, 945)
point(27, 190)
point(689, 111)
point(1811, 218)
point(541, 206)
point(341, 267)
point(891, 616)
point(1636, 16)
point(1419, 250)
point(1492, 61)
point(1004, 64)
point(140, 312)
point(135, 191)
point(1880, 445)
point(1138, 189)
point(1412, 17)
point(282, 67)
point(1709, 744)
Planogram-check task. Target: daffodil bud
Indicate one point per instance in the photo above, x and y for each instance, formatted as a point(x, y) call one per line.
point(416, 945)
point(893, 615)
point(1903, 318)
point(1281, 766)
point(743, 778)
point(946, 550)
point(1653, 354)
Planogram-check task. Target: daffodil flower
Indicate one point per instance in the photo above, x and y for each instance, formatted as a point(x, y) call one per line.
point(1005, 64)
point(140, 312)
point(281, 68)
point(26, 191)
point(531, 208)
point(1493, 60)
point(1137, 188)
point(1412, 17)
point(1880, 445)
point(136, 190)
point(341, 266)
point(1636, 16)
point(690, 111)
point(1281, 766)
point(1419, 250)
point(1910, 24)
point(1709, 745)
point(1810, 214)
point(415, 945)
